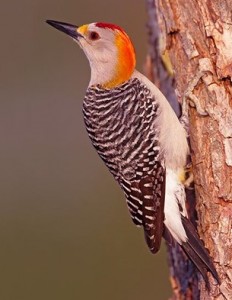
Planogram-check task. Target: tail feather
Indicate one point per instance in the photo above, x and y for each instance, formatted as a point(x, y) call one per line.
point(197, 252)
point(197, 262)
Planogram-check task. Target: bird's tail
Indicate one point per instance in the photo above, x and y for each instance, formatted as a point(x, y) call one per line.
point(197, 252)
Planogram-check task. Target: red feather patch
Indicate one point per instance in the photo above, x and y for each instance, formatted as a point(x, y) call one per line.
point(109, 26)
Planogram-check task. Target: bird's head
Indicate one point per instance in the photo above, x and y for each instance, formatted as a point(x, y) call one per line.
point(108, 48)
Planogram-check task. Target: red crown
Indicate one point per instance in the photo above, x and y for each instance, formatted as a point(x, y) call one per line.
point(109, 26)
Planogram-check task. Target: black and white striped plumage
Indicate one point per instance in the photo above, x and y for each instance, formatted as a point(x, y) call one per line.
point(121, 125)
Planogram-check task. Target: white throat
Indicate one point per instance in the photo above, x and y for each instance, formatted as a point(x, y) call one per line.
point(102, 71)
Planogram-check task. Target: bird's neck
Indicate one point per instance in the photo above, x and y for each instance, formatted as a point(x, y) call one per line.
point(113, 72)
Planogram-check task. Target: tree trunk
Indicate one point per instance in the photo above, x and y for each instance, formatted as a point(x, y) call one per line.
point(193, 41)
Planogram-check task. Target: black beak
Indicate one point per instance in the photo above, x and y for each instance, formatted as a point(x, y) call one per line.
point(69, 29)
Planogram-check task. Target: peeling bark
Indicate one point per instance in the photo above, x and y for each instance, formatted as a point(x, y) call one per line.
point(197, 37)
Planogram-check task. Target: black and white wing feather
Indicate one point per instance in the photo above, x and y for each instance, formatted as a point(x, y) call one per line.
point(145, 199)
point(121, 125)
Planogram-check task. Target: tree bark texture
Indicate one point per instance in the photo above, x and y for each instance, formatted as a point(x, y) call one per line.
point(191, 50)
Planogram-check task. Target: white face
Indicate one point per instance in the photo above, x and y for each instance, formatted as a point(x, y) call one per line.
point(101, 51)
point(98, 43)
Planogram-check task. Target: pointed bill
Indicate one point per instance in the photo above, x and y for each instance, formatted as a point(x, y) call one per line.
point(69, 29)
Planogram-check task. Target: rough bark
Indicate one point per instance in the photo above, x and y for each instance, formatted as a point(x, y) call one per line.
point(197, 37)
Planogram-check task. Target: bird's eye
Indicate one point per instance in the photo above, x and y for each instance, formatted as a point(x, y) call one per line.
point(93, 35)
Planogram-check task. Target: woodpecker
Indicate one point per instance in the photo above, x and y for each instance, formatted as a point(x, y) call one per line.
point(139, 137)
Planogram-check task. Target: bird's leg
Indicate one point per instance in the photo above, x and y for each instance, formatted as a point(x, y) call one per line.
point(189, 98)
point(188, 183)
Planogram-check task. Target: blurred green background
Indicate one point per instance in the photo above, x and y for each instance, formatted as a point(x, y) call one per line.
point(65, 230)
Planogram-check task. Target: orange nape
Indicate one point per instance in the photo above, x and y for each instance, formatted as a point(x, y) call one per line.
point(126, 56)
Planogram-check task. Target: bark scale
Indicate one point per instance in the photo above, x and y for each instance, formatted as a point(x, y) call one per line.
point(191, 46)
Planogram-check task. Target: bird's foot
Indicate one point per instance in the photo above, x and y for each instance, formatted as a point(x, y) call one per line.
point(189, 179)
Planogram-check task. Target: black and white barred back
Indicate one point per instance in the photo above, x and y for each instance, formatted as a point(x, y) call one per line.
point(120, 124)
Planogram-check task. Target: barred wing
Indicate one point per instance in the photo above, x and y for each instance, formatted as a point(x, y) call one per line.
point(145, 200)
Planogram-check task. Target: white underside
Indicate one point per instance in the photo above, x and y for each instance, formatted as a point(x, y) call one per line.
point(174, 195)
